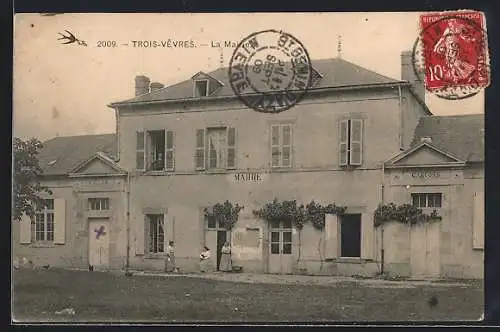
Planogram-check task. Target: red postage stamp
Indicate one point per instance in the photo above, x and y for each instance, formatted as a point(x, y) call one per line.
point(455, 53)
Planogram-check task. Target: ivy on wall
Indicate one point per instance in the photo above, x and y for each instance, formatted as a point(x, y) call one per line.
point(315, 213)
point(226, 214)
point(404, 213)
point(289, 211)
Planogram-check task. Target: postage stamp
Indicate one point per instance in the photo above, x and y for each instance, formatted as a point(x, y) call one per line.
point(270, 71)
point(451, 53)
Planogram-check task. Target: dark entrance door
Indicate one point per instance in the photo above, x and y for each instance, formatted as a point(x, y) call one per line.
point(350, 235)
point(221, 239)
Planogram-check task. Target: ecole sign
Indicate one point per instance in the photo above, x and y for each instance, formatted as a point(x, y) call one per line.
point(425, 174)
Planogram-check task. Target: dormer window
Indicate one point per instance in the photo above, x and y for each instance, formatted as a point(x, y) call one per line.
point(201, 88)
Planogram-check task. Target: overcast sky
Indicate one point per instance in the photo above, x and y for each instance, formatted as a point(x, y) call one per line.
point(64, 89)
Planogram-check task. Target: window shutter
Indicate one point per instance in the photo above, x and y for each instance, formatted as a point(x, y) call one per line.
point(331, 236)
point(356, 148)
point(200, 149)
point(140, 236)
point(286, 145)
point(367, 236)
point(169, 150)
point(343, 132)
point(275, 146)
point(59, 221)
point(231, 148)
point(25, 229)
point(140, 151)
point(478, 221)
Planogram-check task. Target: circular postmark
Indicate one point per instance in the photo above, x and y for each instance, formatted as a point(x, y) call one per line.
point(270, 71)
point(451, 56)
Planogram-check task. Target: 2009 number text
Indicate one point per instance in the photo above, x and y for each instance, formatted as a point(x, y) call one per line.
point(107, 43)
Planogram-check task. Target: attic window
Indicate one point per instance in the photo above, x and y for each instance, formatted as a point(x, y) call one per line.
point(51, 163)
point(201, 88)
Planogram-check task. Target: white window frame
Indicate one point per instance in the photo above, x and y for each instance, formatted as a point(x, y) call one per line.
point(349, 123)
point(426, 195)
point(280, 146)
point(101, 202)
point(207, 84)
point(156, 250)
point(45, 213)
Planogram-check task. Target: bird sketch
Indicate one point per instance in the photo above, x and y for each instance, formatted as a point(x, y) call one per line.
point(71, 39)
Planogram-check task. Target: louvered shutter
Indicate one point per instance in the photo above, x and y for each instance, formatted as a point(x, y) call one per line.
point(343, 132)
point(478, 221)
point(286, 145)
point(275, 146)
point(169, 150)
point(231, 148)
point(331, 236)
point(200, 149)
point(356, 148)
point(59, 221)
point(25, 229)
point(140, 151)
point(140, 236)
point(367, 236)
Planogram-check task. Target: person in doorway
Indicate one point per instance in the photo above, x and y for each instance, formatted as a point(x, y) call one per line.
point(225, 260)
point(170, 258)
point(206, 260)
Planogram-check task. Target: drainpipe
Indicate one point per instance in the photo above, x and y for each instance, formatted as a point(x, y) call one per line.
point(400, 118)
point(127, 263)
point(382, 226)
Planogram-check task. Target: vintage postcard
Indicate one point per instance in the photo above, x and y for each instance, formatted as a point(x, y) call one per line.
point(246, 168)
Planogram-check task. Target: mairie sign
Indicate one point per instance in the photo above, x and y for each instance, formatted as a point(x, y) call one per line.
point(247, 177)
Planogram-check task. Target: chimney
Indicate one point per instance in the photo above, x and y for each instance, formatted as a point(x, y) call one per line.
point(156, 86)
point(408, 74)
point(141, 85)
point(426, 139)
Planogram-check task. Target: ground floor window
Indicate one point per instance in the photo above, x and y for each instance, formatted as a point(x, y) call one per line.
point(281, 237)
point(42, 226)
point(350, 235)
point(155, 233)
point(426, 200)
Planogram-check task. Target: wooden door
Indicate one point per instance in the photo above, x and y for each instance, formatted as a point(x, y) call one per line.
point(280, 248)
point(424, 249)
point(99, 242)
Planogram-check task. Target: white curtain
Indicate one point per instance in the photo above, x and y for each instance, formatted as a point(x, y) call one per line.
point(217, 145)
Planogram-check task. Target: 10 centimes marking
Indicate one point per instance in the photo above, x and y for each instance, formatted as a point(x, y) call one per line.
point(270, 71)
point(451, 54)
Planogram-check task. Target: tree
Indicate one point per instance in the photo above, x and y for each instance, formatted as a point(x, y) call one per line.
point(26, 178)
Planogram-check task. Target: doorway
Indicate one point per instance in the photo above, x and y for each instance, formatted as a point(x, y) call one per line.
point(221, 239)
point(280, 248)
point(350, 235)
point(99, 242)
point(424, 249)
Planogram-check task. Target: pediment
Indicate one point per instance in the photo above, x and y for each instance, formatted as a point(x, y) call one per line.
point(97, 165)
point(424, 154)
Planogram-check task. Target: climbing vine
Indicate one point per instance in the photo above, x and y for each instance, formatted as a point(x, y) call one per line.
point(315, 213)
point(404, 213)
point(226, 214)
point(288, 211)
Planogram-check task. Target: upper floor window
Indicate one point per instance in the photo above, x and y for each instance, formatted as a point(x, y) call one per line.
point(42, 226)
point(99, 204)
point(281, 145)
point(201, 88)
point(425, 200)
point(215, 148)
point(155, 150)
point(351, 142)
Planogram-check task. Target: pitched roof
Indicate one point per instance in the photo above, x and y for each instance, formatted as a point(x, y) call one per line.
point(60, 155)
point(335, 73)
point(461, 135)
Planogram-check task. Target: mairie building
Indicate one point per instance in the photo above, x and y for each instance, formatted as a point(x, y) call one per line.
point(357, 139)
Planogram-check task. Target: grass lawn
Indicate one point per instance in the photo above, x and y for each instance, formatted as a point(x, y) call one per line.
point(97, 296)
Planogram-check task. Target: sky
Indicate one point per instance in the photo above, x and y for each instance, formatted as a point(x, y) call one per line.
point(64, 90)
